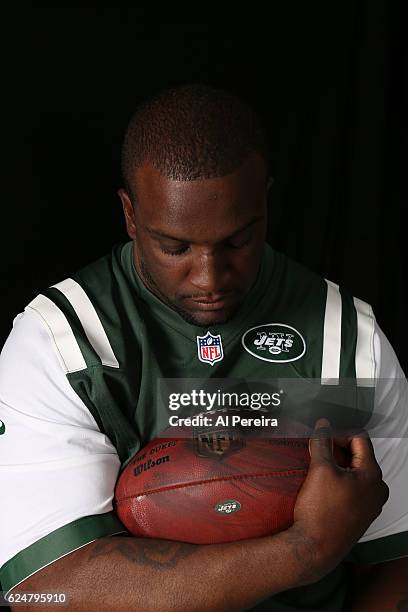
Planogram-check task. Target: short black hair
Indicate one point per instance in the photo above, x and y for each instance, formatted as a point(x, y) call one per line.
point(191, 132)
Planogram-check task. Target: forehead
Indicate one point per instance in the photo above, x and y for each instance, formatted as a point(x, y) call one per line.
point(220, 204)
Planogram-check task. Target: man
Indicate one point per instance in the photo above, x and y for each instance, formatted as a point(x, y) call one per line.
point(78, 388)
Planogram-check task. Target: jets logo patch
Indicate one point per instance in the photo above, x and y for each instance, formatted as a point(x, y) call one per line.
point(275, 342)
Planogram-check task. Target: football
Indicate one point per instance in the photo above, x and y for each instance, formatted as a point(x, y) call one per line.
point(213, 487)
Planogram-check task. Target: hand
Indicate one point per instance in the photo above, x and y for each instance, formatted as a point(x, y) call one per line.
point(336, 505)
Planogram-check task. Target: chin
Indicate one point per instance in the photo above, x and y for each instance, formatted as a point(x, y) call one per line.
point(206, 319)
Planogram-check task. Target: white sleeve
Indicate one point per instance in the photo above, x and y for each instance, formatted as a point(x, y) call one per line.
point(57, 470)
point(390, 440)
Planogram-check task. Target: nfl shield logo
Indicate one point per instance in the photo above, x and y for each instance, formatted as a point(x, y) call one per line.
point(209, 348)
point(219, 443)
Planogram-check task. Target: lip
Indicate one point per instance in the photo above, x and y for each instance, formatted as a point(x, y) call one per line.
point(217, 304)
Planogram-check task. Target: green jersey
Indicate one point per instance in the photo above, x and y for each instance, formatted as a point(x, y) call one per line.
point(80, 382)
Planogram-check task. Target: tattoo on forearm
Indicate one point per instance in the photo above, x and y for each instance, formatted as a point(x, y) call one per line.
point(159, 554)
point(304, 552)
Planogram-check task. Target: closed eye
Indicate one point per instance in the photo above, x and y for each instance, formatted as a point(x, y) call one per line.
point(179, 251)
point(184, 249)
point(240, 245)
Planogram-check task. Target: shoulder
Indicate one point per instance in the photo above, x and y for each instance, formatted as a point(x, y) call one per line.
point(33, 374)
point(338, 327)
point(83, 315)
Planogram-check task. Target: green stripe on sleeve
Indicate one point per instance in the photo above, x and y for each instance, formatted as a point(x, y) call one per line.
point(55, 545)
point(383, 549)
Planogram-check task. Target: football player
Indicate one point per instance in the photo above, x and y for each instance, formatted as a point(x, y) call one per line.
point(79, 392)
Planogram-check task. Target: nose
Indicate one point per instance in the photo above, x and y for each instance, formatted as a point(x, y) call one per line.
point(209, 273)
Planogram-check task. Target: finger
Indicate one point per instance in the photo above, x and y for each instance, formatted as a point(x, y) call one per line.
point(321, 443)
point(362, 452)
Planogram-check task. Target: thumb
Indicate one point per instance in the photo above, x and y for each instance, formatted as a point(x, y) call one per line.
point(321, 443)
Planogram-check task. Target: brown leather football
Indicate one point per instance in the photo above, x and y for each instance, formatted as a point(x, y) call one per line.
point(217, 487)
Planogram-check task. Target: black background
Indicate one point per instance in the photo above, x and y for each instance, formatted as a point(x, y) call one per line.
point(328, 79)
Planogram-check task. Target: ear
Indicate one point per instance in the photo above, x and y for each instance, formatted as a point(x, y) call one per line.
point(129, 213)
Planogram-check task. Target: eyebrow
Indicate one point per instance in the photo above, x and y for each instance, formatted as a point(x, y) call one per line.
point(160, 234)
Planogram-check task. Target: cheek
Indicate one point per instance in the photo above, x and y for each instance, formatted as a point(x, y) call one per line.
point(156, 261)
point(168, 275)
point(246, 261)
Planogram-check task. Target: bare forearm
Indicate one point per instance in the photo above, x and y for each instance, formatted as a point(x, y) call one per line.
point(124, 573)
